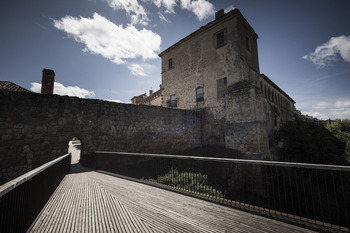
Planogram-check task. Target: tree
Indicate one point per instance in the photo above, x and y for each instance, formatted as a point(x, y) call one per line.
point(341, 129)
point(310, 143)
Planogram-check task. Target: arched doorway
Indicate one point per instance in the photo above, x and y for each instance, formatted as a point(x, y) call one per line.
point(74, 147)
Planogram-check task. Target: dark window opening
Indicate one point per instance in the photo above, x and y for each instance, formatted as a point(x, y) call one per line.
point(199, 94)
point(220, 39)
point(170, 63)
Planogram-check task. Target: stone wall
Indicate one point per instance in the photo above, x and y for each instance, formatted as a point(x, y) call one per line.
point(37, 128)
point(246, 127)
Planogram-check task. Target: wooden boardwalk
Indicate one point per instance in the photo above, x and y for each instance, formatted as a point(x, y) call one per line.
point(89, 201)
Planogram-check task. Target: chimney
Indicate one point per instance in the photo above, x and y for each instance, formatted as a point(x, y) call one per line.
point(219, 13)
point(150, 92)
point(48, 81)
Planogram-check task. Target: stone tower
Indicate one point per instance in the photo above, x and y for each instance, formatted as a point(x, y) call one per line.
point(216, 69)
point(48, 81)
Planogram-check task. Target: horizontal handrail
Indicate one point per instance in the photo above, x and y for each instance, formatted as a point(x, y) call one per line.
point(313, 193)
point(7, 187)
point(246, 161)
point(22, 198)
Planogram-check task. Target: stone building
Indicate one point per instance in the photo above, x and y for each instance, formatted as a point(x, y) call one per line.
point(154, 98)
point(216, 68)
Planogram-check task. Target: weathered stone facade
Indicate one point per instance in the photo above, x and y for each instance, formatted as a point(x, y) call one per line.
point(217, 68)
point(154, 98)
point(36, 128)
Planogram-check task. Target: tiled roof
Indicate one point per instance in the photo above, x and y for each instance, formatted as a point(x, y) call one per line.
point(10, 86)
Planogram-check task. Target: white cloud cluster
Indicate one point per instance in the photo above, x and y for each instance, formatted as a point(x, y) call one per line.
point(132, 7)
point(113, 42)
point(201, 8)
point(169, 5)
point(330, 51)
point(60, 89)
point(339, 109)
point(117, 43)
point(143, 69)
point(137, 70)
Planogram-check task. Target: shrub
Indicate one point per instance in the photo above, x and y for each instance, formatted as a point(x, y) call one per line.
point(189, 181)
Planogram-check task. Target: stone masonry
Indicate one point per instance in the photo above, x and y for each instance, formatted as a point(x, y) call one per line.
point(216, 68)
point(36, 128)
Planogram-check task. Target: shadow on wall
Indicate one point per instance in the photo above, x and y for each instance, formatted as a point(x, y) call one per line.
point(74, 147)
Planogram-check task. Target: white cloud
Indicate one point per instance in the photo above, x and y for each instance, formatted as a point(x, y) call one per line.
point(167, 4)
point(137, 70)
point(60, 89)
point(133, 9)
point(201, 8)
point(229, 8)
point(113, 42)
point(162, 17)
point(143, 69)
point(330, 51)
point(339, 109)
point(116, 101)
point(36, 87)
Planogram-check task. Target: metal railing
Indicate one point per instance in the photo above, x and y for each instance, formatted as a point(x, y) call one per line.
point(313, 193)
point(22, 199)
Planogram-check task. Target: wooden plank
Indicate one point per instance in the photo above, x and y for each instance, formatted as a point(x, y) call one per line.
point(89, 201)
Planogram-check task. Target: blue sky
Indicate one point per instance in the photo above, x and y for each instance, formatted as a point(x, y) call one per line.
point(108, 49)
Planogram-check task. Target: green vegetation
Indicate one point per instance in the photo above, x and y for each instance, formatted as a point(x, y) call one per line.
point(310, 143)
point(341, 129)
point(190, 181)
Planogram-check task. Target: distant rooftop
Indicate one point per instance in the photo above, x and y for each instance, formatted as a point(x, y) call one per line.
point(10, 86)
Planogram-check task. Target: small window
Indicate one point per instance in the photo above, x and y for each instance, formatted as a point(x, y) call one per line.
point(170, 63)
point(172, 102)
point(220, 39)
point(221, 87)
point(199, 94)
point(247, 43)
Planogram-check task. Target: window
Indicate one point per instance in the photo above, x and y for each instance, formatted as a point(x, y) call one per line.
point(220, 39)
point(170, 63)
point(199, 94)
point(172, 102)
point(247, 43)
point(221, 87)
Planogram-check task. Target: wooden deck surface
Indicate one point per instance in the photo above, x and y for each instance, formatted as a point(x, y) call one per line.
point(89, 201)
